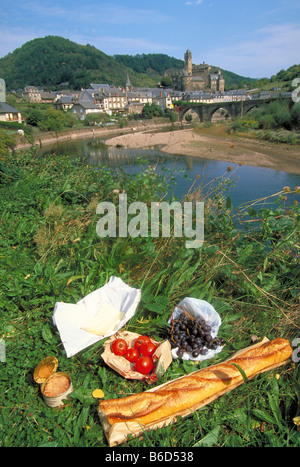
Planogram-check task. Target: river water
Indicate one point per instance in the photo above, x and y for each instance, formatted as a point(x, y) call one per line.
point(244, 184)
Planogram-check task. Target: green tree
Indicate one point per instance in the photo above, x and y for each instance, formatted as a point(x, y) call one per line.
point(94, 118)
point(152, 110)
point(166, 81)
point(34, 117)
point(171, 115)
point(53, 121)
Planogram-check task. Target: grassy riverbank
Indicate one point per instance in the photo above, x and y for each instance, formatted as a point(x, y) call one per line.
point(49, 252)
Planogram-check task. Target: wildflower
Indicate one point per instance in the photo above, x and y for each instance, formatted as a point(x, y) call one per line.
point(296, 420)
point(26, 277)
point(98, 393)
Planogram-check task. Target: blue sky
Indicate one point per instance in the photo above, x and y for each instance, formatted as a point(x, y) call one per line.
point(256, 38)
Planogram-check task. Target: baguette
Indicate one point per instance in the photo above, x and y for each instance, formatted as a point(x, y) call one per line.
point(190, 392)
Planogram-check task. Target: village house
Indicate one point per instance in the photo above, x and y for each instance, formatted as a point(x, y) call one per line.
point(64, 102)
point(32, 94)
point(134, 108)
point(83, 108)
point(162, 98)
point(47, 97)
point(9, 113)
point(141, 96)
point(111, 99)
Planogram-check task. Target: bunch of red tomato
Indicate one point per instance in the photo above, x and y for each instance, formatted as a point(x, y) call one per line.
point(140, 353)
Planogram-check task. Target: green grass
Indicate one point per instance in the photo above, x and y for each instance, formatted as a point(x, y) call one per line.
point(248, 268)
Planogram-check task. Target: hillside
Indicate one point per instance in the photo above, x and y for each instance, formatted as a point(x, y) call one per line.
point(283, 80)
point(149, 63)
point(53, 60)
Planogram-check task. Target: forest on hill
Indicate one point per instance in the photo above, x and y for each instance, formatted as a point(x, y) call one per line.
point(53, 61)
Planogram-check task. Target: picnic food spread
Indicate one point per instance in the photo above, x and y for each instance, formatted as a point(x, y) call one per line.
point(191, 334)
point(145, 410)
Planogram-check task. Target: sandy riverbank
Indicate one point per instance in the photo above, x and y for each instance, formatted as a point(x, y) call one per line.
point(231, 149)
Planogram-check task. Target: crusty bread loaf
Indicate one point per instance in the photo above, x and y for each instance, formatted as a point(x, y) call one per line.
point(192, 391)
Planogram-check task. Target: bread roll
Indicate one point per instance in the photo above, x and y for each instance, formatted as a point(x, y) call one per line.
point(190, 392)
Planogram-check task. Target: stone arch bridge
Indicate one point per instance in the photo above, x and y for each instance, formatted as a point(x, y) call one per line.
point(234, 108)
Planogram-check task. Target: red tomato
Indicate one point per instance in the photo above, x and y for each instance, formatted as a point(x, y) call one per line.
point(119, 346)
point(144, 365)
point(132, 355)
point(140, 341)
point(147, 349)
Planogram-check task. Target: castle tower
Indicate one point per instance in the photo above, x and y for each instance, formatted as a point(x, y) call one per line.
point(221, 83)
point(188, 65)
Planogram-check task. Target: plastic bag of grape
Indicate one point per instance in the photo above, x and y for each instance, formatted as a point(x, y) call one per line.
point(193, 331)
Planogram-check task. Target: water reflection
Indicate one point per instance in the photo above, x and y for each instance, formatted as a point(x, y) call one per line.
point(246, 183)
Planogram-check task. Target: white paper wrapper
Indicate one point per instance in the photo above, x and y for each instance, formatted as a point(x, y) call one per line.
point(70, 318)
point(203, 309)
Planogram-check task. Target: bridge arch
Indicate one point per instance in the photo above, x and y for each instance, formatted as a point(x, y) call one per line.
point(222, 105)
point(247, 107)
point(196, 109)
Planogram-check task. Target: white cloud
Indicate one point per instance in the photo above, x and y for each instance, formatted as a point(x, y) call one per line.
point(267, 51)
point(195, 2)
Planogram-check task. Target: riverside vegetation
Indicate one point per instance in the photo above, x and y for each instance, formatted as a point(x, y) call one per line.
point(248, 269)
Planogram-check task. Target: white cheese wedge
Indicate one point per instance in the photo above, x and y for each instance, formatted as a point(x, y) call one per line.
point(105, 321)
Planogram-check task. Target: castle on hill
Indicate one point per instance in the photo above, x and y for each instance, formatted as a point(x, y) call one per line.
point(196, 77)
